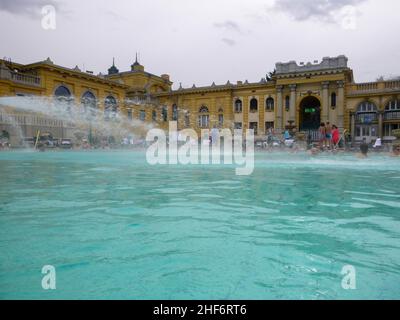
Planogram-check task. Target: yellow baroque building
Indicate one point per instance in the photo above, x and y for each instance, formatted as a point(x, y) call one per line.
point(296, 96)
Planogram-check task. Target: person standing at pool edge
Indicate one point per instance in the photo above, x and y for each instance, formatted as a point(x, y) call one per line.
point(328, 135)
point(322, 135)
point(335, 136)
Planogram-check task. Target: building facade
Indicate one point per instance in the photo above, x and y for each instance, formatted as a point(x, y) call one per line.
point(296, 96)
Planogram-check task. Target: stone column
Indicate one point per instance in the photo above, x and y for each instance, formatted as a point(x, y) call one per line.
point(245, 113)
point(292, 112)
point(380, 124)
point(279, 107)
point(325, 102)
point(340, 105)
point(352, 125)
point(261, 116)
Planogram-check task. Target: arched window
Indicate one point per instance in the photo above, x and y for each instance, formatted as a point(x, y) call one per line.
point(204, 117)
point(88, 102)
point(154, 115)
point(253, 105)
point(174, 112)
point(62, 93)
point(287, 103)
point(204, 109)
point(333, 100)
point(367, 107)
point(110, 108)
point(238, 106)
point(63, 96)
point(269, 104)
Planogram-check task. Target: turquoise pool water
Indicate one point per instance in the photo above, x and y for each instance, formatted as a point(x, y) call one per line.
point(117, 228)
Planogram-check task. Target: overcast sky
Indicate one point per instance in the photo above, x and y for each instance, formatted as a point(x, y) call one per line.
point(208, 40)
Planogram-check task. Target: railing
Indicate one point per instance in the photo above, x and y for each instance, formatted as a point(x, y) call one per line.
point(25, 78)
point(367, 86)
point(392, 84)
point(31, 120)
point(20, 77)
point(142, 100)
point(392, 115)
point(314, 135)
point(376, 86)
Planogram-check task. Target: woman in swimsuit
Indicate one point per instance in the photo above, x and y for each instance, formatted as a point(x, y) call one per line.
point(328, 134)
point(322, 135)
point(335, 136)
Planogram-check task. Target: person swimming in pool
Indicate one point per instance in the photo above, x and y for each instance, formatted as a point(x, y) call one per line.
point(364, 148)
point(396, 151)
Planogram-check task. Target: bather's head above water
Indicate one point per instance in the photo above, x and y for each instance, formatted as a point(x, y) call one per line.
point(396, 150)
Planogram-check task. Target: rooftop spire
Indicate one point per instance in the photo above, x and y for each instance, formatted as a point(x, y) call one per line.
point(113, 69)
point(136, 66)
point(136, 61)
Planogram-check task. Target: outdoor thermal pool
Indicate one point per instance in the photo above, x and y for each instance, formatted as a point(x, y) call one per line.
point(115, 227)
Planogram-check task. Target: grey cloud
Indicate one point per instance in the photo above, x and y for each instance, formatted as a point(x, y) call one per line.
point(228, 25)
point(319, 9)
point(229, 42)
point(25, 7)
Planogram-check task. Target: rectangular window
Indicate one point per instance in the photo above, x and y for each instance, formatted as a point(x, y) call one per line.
point(187, 121)
point(142, 115)
point(221, 120)
point(358, 132)
point(174, 113)
point(269, 125)
point(204, 121)
point(374, 131)
point(130, 115)
point(254, 126)
point(165, 114)
point(238, 126)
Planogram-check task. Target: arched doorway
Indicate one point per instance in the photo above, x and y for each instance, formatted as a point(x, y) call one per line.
point(310, 114)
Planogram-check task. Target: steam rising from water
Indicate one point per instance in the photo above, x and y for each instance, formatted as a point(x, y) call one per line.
point(76, 116)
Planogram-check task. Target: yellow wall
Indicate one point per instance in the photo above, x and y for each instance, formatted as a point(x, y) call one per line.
point(137, 81)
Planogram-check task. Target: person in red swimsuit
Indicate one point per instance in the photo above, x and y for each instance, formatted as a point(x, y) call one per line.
point(335, 135)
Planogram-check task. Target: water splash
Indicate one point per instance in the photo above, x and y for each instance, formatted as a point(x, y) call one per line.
point(14, 124)
point(82, 120)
